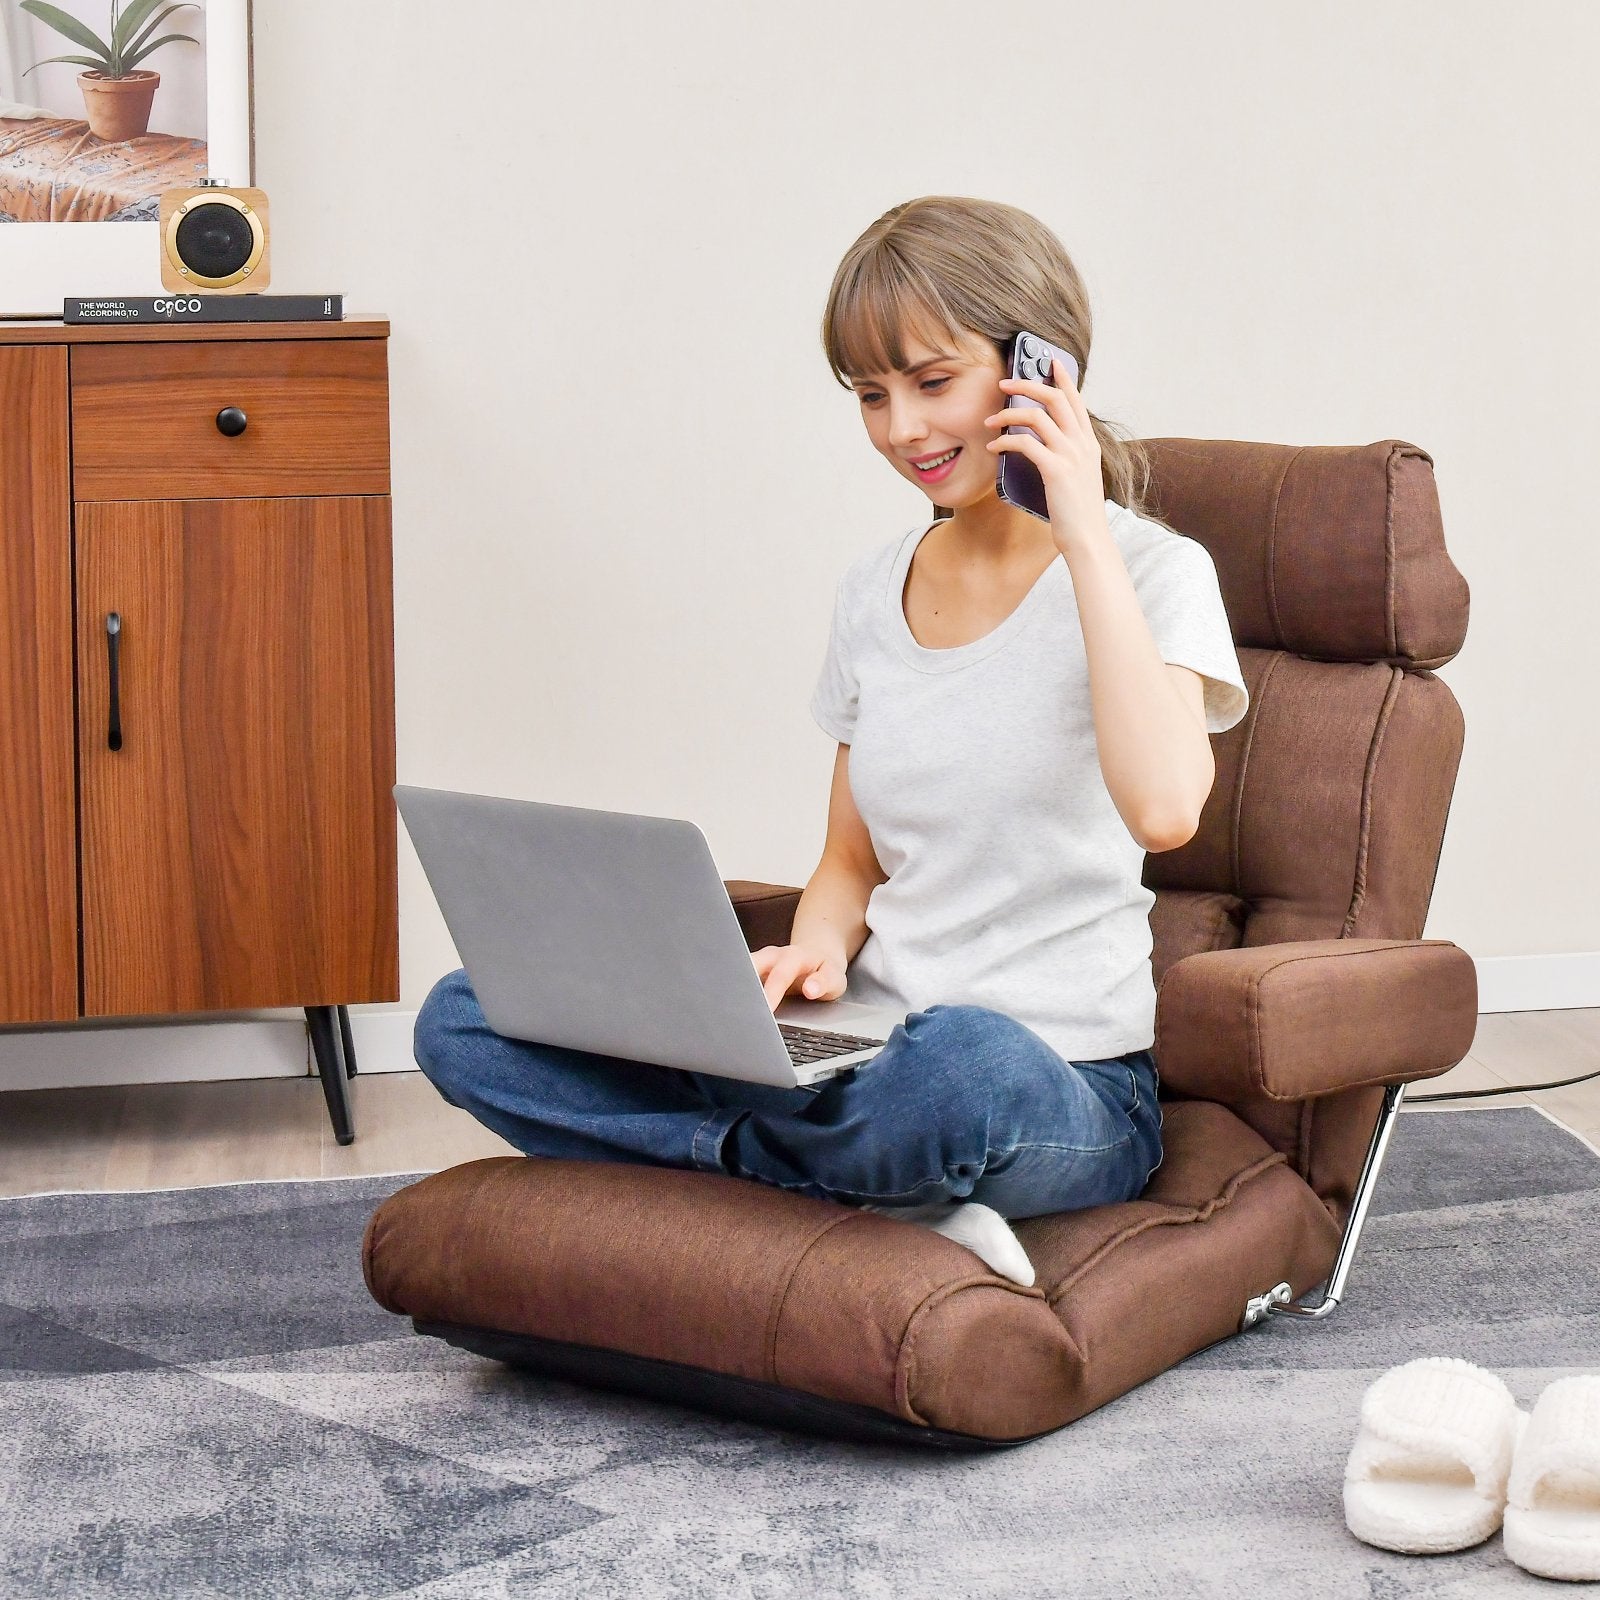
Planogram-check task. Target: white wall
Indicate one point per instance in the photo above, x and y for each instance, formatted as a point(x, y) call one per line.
point(625, 483)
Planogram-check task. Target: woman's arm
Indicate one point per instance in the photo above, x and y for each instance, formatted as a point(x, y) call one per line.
point(1149, 716)
point(831, 914)
point(830, 922)
point(1155, 752)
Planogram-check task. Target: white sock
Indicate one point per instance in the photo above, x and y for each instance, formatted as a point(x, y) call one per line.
point(979, 1227)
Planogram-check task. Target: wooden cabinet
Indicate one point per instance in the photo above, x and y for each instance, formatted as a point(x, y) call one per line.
point(38, 786)
point(196, 675)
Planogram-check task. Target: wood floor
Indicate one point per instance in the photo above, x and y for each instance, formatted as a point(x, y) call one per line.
point(175, 1135)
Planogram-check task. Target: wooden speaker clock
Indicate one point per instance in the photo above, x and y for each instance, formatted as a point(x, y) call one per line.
point(214, 238)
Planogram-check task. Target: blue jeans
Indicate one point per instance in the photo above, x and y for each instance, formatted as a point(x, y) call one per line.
point(961, 1103)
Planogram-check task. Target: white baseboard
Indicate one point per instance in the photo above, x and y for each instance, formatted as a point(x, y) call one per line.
point(278, 1045)
point(194, 1049)
point(1538, 983)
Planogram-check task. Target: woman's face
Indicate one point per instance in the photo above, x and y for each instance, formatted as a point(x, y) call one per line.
point(936, 406)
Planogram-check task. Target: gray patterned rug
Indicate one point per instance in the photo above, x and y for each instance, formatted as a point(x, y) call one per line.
point(198, 1398)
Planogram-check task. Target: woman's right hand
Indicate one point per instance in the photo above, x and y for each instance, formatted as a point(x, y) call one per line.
point(785, 968)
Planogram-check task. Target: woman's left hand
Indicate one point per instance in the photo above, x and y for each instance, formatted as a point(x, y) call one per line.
point(1062, 445)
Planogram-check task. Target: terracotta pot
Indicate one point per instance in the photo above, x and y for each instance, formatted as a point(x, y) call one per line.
point(118, 108)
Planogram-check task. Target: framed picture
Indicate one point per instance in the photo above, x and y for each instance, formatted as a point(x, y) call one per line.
point(156, 95)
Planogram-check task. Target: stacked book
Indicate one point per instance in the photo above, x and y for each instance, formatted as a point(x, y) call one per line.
point(207, 308)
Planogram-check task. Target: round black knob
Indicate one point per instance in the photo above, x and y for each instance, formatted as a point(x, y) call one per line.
point(231, 421)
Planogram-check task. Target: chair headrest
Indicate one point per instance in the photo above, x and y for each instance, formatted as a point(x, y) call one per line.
point(1330, 551)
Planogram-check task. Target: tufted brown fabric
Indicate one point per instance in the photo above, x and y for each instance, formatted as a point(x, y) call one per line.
point(1292, 1021)
point(1318, 793)
point(1293, 982)
point(1329, 806)
point(1330, 551)
point(766, 911)
point(760, 1283)
point(1186, 921)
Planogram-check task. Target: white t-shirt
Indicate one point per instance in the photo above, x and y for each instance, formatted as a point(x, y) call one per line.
point(1013, 881)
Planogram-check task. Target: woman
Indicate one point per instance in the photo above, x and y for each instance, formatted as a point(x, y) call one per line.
point(1022, 710)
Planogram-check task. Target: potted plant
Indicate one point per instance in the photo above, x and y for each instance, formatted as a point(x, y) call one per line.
point(117, 92)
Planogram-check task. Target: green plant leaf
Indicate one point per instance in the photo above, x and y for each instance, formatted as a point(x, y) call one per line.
point(131, 61)
point(58, 19)
point(155, 22)
point(82, 61)
point(125, 24)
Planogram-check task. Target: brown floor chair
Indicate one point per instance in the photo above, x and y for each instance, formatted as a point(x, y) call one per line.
point(1296, 998)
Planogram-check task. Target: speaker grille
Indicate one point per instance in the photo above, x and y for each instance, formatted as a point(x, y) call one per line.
point(214, 240)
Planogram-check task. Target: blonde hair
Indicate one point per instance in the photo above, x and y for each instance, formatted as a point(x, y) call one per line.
point(968, 267)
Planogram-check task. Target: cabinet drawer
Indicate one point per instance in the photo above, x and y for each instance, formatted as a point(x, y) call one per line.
point(144, 419)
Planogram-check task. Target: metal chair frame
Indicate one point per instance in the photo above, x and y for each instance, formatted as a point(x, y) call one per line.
point(1279, 1300)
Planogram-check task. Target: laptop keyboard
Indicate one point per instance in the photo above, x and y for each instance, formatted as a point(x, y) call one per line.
point(806, 1045)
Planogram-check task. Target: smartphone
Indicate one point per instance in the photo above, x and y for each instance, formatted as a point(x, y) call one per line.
point(1017, 480)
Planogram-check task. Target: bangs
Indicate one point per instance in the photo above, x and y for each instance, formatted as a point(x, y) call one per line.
point(878, 312)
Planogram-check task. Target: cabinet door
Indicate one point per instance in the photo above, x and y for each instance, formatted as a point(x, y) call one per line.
point(38, 865)
point(239, 848)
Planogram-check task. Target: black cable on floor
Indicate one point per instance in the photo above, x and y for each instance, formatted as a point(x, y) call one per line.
point(1479, 1094)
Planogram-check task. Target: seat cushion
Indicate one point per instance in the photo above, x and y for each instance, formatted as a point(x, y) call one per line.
point(782, 1290)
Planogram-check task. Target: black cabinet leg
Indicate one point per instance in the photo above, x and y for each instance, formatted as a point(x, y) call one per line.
point(347, 1042)
point(327, 1043)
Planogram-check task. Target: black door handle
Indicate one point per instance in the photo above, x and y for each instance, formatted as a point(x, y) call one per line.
point(231, 421)
point(113, 641)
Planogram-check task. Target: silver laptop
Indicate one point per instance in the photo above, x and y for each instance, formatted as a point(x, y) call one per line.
point(610, 932)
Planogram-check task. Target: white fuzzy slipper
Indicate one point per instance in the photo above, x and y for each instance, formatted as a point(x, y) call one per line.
point(1432, 1456)
point(1553, 1505)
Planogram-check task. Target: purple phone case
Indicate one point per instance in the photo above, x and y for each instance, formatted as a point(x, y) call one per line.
point(1017, 480)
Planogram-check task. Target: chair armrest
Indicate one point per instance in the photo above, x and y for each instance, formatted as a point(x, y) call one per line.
point(765, 910)
point(1295, 1020)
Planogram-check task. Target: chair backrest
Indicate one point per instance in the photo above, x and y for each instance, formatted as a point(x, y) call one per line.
point(1328, 811)
point(1329, 807)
